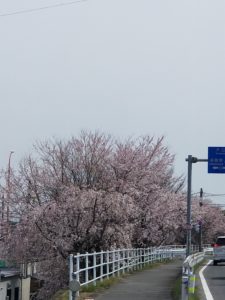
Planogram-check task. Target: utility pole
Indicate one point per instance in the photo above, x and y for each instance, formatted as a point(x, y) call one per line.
point(9, 185)
point(3, 207)
point(200, 221)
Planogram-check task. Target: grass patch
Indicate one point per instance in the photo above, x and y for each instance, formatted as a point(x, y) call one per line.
point(194, 296)
point(61, 295)
point(100, 285)
point(176, 290)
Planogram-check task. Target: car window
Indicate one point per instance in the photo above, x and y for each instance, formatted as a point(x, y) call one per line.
point(221, 241)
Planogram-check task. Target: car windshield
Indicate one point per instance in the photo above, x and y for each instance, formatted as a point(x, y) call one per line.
point(221, 241)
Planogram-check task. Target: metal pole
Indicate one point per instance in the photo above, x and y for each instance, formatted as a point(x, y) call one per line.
point(188, 250)
point(71, 274)
point(190, 160)
point(200, 222)
point(200, 236)
point(8, 186)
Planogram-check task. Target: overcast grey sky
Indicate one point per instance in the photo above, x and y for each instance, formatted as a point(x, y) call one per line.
point(121, 66)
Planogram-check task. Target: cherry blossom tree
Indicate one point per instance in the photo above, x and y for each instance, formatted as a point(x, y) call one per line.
point(94, 192)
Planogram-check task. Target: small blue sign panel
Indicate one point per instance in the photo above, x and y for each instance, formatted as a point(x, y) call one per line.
point(216, 160)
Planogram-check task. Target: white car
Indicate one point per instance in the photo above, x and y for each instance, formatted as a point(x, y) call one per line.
point(219, 250)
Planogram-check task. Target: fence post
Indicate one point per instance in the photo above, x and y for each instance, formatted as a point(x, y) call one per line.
point(153, 254)
point(77, 271)
point(132, 258)
point(101, 266)
point(144, 257)
point(136, 259)
point(118, 263)
point(124, 257)
point(94, 268)
point(86, 267)
point(141, 258)
point(113, 263)
point(184, 287)
point(70, 273)
point(150, 255)
point(128, 260)
point(107, 263)
point(130, 255)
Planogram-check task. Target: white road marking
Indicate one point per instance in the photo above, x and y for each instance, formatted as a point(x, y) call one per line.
point(204, 283)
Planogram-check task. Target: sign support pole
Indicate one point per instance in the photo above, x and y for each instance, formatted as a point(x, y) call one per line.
point(190, 161)
point(188, 249)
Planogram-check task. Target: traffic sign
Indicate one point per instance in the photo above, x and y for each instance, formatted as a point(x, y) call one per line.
point(216, 159)
point(74, 285)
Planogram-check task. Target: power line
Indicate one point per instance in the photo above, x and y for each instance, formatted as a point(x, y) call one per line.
point(193, 194)
point(216, 205)
point(30, 10)
point(214, 195)
point(205, 194)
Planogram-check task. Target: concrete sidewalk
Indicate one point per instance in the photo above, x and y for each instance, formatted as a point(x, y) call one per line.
point(153, 284)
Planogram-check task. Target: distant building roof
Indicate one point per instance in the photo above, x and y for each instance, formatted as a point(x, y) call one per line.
point(9, 272)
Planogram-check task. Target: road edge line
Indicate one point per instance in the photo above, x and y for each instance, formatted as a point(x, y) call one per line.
point(204, 283)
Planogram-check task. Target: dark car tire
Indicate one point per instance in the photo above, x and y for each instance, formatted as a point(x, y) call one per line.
point(215, 263)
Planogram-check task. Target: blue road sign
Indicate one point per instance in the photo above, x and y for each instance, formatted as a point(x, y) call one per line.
point(216, 160)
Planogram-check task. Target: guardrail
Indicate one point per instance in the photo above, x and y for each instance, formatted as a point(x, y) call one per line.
point(188, 276)
point(89, 268)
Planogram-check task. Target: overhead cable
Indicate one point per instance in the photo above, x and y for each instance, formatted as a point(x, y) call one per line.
point(214, 195)
point(30, 10)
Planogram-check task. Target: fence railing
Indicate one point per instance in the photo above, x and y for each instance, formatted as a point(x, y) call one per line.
point(89, 268)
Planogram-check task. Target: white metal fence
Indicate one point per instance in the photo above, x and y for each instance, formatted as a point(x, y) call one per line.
point(88, 268)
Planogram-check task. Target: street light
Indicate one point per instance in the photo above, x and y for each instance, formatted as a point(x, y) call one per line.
point(190, 161)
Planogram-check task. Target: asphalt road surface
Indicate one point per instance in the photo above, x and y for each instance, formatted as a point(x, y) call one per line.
point(215, 278)
point(153, 284)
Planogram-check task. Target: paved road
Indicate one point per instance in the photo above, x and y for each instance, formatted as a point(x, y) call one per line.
point(215, 277)
point(153, 284)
